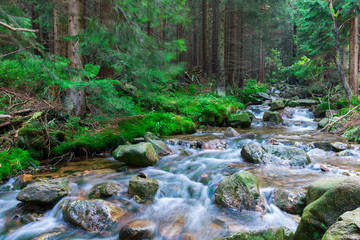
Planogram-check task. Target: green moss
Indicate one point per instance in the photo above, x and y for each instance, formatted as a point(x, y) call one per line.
point(353, 134)
point(90, 143)
point(157, 123)
point(14, 161)
point(325, 106)
point(342, 103)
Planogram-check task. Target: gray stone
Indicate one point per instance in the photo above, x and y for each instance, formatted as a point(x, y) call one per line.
point(145, 188)
point(277, 104)
point(273, 117)
point(290, 201)
point(139, 229)
point(268, 233)
point(339, 146)
point(49, 192)
point(141, 154)
point(230, 132)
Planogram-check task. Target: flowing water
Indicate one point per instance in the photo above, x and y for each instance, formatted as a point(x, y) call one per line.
point(187, 184)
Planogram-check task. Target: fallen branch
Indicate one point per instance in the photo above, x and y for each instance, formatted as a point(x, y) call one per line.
point(7, 26)
point(330, 124)
point(4, 116)
point(11, 53)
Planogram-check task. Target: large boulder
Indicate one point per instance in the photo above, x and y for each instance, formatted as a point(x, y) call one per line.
point(160, 147)
point(277, 104)
point(307, 102)
point(240, 120)
point(49, 192)
point(320, 187)
point(275, 154)
point(141, 154)
point(268, 233)
point(143, 187)
point(290, 201)
point(139, 229)
point(238, 191)
point(93, 215)
point(273, 117)
point(346, 227)
point(321, 214)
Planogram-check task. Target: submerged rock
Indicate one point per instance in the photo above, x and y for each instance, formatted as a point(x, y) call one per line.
point(145, 188)
point(346, 227)
point(161, 148)
point(273, 117)
point(290, 201)
point(105, 190)
point(49, 192)
point(93, 215)
point(238, 191)
point(277, 104)
point(216, 144)
point(326, 146)
point(230, 132)
point(141, 154)
point(275, 154)
point(139, 229)
point(321, 214)
point(172, 230)
point(268, 233)
point(240, 120)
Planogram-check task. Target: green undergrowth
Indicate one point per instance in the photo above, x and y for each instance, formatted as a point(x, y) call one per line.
point(14, 161)
point(203, 109)
point(164, 124)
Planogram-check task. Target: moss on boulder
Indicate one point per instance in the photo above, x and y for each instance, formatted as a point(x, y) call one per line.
point(274, 117)
point(268, 233)
point(240, 120)
point(141, 154)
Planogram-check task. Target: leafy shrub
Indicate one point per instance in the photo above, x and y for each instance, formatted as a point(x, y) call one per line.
point(251, 87)
point(14, 161)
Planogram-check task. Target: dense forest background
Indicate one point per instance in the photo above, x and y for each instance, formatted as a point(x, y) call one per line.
point(73, 71)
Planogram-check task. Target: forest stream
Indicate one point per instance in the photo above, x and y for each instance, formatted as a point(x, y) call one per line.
point(184, 203)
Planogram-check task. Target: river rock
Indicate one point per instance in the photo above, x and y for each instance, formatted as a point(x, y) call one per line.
point(263, 96)
point(293, 103)
point(273, 117)
point(25, 180)
point(139, 229)
point(93, 215)
point(49, 192)
point(230, 132)
point(326, 146)
point(320, 187)
point(141, 154)
point(321, 214)
point(106, 189)
point(339, 146)
point(286, 113)
point(145, 188)
point(172, 230)
point(290, 201)
point(275, 154)
point(277, 104)
point(268, 233)
point(188, 236)
point(216, 144)
point(238, 191)
point(137, 140)
point(307, 102)
point(346, 227)
point(161, 148)
point(240, 120)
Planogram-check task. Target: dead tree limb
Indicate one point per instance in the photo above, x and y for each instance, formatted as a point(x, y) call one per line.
point(7, 26)
point(330, 124)
point(22, 49)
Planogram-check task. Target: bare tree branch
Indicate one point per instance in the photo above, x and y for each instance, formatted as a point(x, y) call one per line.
point(17, 29)
point(8, 54)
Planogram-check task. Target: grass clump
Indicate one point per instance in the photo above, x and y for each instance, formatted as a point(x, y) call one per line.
point(14, 161)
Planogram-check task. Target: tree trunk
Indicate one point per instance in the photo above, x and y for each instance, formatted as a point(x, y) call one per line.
point(215, 37)
point(205, 36)
point(344, 57)
point(233, 52)
point(261, 76)
point(190, 36)
point(221, 50)
point(242, 42)
point(338, 54)
point(74, 101)
point(106, 20)
point(252, 56)
point(354, 55)
point(36, 25)
point(57, 31)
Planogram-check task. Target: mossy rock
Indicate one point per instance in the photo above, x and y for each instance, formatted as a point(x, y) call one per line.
point(322, 213)
point(93, 215)
point(290, 201)
point(241, 120)
point(138, 229)
point(106, 189)
point(141, 154)
point(145, 188)
point(32, 140)
point(342, 103)
point(268, 233)
point(277, 104)
point(273, 117)
point(320, 111)
point(346, 227)
point(293, 103)
point(275, 154)
point(353, 134)
point(238, 191)
point(323, 122)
